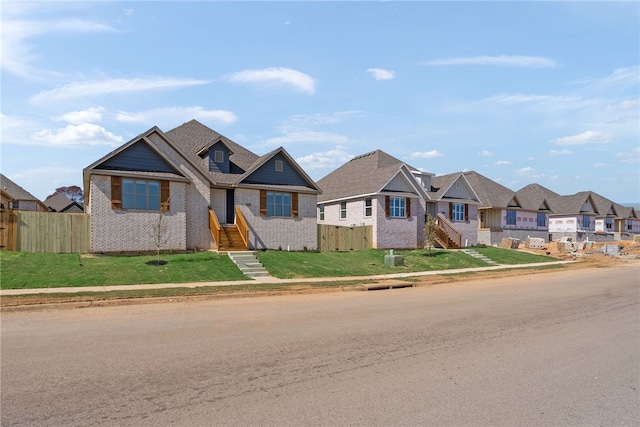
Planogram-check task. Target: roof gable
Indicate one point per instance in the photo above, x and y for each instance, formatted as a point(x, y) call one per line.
point(277, 168)
point(138, 156)
point(367, 174)
point(13, 190)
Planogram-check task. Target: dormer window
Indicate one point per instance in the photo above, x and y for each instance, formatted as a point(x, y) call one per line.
point(218, 156)
point(279, 165)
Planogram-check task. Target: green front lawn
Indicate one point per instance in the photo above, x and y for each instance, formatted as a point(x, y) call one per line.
point(40, 270)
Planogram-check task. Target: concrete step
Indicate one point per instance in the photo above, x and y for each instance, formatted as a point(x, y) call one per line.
point(479, 256)
point(248, 263)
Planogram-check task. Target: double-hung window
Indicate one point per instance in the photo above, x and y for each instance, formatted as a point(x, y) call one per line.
point(321, 212)
point(278, 204)
point(368, 207)
point(608, 221)
point(629, 225)
point(586, 222)
point(457, 213)
point(140, 194)
point(511, 217)
point(343, 210)
point(542, 220)
point(397, 207)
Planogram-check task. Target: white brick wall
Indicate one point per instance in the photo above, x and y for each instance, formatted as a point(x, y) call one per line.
point(273, 232)
point(124, 231)
point(468, 229)
point(388, 233)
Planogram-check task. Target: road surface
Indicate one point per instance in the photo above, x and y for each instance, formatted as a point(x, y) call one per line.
point(560, 348)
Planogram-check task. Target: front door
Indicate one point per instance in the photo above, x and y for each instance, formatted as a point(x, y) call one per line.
point(219, 204)
point(231, 212)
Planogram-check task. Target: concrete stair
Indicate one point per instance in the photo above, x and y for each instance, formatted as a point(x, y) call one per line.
point(248, 263)
point(479, 256)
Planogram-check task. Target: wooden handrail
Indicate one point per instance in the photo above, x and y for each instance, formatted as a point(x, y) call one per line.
point(214, 226)
point(243, 228)
point(445, 226)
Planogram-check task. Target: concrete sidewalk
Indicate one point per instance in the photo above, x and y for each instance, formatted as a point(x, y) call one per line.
point(268, 279)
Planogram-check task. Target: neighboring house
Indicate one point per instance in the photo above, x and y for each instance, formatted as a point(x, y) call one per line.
point(58, 202)
point(454, 203)
point(379, 190)
point(520, 214)
point(614, 221)
point(210, 192)
point(574, 217)
point(14, 197)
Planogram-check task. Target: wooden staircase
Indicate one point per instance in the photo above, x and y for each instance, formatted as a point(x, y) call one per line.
point(446, 235)
point(230, 239)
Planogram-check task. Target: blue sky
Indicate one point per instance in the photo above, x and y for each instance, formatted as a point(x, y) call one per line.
point(521, 92)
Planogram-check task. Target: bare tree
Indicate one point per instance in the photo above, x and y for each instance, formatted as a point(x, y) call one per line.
point(160, 234)
point(429, 231)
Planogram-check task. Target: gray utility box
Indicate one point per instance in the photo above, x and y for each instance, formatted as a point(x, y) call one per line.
point(392, 260)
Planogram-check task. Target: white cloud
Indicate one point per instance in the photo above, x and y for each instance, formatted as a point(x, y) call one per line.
point(528, 174)
point(308, 137)
point(632, 156)
point(18, 54)
point(619, 76)
point(381, 74)
point(299, 121)
point(301, 82)
point(74, 135)
point(500, 60)
point(107, 87)
point(485, 153)
point(324, 160)
point(425, 155)
point(600, 165)
point(503, 163)
point(624, 105)
point(90, 115)
point(176, 114)
point(560, 152)
point(588, 137)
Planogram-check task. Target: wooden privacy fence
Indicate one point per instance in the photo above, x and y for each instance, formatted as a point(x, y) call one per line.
point(44, 232)
point(342, 239)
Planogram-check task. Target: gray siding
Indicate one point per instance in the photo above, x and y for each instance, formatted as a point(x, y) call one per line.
point(219, 166)
point(138, 157)
point(267, 174)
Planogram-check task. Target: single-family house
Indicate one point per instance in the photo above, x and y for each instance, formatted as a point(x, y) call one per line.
point(454, 202)
point(58, 202)
point(614, 221)
point(207, 191)
point(14, 197)
point(376, 189)
point(574, 217)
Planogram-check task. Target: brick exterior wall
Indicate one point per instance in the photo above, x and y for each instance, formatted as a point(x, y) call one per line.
point(294, 234)
point(126, 231)
point(468, 229)
point(388, 233)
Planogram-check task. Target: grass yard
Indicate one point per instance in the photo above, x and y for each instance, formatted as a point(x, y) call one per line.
point(20, 270)
point(291, 265)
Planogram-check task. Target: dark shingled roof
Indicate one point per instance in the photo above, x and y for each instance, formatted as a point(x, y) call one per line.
point(15, 191)
point(490, 193)
point(364, 174)
point(535, 197)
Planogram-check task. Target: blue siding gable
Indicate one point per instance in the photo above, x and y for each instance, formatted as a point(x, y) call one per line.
point(138, 157)
point(267, 174)
point(222, 166)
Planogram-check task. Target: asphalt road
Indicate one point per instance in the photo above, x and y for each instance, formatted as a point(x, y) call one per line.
point(552, 349)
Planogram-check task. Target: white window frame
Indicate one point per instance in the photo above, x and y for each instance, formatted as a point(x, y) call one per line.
point(343, 210)
point(321, 212)
point(457, 212)
point(279, 166)
point(397, 207)
point(279, 204)
point(218, 156)
point(368, 207)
